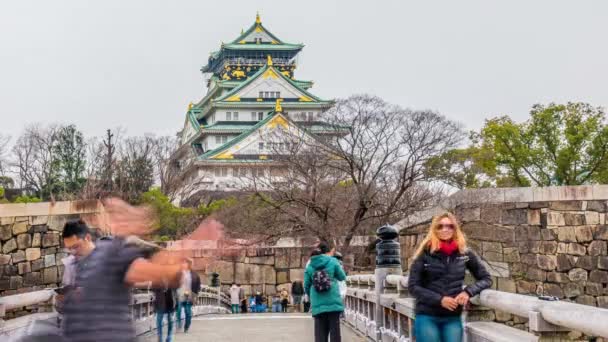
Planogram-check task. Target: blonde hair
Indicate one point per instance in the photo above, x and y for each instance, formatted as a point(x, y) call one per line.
point(431, 241)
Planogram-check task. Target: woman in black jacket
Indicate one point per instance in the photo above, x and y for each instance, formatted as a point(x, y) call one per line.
point(436, 281)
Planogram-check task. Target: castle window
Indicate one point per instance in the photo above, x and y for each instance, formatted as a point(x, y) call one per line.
point(267, 94)
point(224, 139)
point(310, 116)
point(243, 172)
point(261, 146)
point(277, 94)
point(260, 116)
point(228, 116)
point(261, 94)
point(218, 139)
point(236, 116)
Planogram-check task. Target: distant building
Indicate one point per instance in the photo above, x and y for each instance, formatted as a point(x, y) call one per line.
point(252, 94)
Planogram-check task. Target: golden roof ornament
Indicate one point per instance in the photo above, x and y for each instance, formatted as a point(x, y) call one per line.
point(277, 107)
point(269, 60)
point(190, 105)
point(257, 18)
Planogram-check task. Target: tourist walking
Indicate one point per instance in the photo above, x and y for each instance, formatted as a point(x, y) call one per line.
point(321, 284)
point(165, 301)
point(284, 300)
point(297, 291)
point(276, 303)
point(342, 284)
point(188, 290)
point(105, 271)
point(235, 297)
point(436, 280)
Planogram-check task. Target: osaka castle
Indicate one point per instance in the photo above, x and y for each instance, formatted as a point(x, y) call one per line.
point(252, 93)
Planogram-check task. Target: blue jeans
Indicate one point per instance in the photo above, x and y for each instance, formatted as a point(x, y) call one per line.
point(276, 307)
point(160, 315)
point(235, 308)
point(187, 307)
point(438, 329)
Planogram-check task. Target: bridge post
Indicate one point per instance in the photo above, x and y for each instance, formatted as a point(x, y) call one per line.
point(388, 261)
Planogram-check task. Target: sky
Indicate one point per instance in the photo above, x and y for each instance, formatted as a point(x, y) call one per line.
point(136, 64)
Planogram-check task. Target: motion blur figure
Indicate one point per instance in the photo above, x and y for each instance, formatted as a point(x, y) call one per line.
point(97, 309)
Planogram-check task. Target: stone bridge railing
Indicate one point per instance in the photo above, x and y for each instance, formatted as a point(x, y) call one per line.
point(380, 307)
point(209, 301)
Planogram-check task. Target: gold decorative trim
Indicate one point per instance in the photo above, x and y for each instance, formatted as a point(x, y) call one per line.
point(305, 98)
point(270, 73)
point(234, 98)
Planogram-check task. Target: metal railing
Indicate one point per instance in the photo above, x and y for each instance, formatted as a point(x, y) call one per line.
point(209, 301)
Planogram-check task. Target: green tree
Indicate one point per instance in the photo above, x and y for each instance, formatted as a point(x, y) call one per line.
point(558, 145)
point(70, 160)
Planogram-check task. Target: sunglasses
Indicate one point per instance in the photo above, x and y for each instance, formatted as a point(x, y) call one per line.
point(446, 226)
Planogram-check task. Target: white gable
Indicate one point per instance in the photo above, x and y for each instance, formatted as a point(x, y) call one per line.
point(255, 35)
point(188, 131)
point(271, 81)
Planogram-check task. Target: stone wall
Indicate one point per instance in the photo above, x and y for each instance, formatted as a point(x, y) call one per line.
point(537, 241)
point(30, 245)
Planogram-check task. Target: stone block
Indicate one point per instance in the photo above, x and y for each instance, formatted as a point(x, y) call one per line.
point(282, 277)
point(56, 223)
point(49, 260)
point(602, 302)
point(11, 270)
point(32, 279)
point(270, 275)
point(587, 262)
point(37, 240)
point(9, 246)
point(521, 233)
point(522, 247)
point(490, 213)
point(553, 290)
point(24, 267)
point(514, 217)
point(528, 259)
point(24, 241)
point(32, 254)
point(583, 234)
point(597, 248)
point(41, 228)
point(563, 263)
point(597, 206)
point(548, 234)
point(533, 233)
point(470, 213)
point(49, 275)
point(49, 251)
point(577, 274)
point(548, 247)
point(506, 285)
point(602, 263)
point(598, 276)
point(573, 290)
point(602, 218)
point(487, 232)
point(37, 265)
point(574, 219)
point(576, 249)
point(601, 233)
point(282, 259)
point(566, 205)
point(502, 316)
point(16, 282)
point(556, 277)
point(592, 218)
point(594, 289)
point(546, 262)
point(18, 257)
point(562, 247)
point(296, 274)
point(586, 300)
point(6, 232)
point(534, 246)
point(525, 287)
point(555, 218)
point(295, 256)
point(262, 260)
point(536, 274)
point(566, 234)
point(224, 268)
point(20, 228)
point(4, 259)
point(38, 220)
point(511, 254)
point(50, 239)
point(534, 217)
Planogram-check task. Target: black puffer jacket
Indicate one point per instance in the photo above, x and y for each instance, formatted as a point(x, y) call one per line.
point(436, 275)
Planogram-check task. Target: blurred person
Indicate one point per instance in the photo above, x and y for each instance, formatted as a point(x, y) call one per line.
point(321, 284)
point(276, 303)
point(252, 306)
point(284, 300)
point(306, 303)
point(260, 302)
point(190, 286)
point(436, 280)
point(106, 270)
point(341, 284)
point(235, 297)
point(165, 302)
point(297, 291)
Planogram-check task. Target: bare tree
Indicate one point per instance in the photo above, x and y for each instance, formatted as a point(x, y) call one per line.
point(338, 187)
point(4, 140)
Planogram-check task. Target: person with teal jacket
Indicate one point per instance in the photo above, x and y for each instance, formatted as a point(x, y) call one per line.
point(321, 284)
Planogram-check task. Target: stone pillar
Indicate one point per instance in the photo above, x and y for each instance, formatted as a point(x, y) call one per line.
point(388, 261)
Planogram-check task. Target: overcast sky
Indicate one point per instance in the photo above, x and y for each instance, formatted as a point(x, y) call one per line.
point(135, 64)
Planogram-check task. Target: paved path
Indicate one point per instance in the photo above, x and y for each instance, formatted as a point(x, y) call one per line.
point(255, 328)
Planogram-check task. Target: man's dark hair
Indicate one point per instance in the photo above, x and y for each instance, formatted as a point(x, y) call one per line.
point(75, 228)
point(324, 247)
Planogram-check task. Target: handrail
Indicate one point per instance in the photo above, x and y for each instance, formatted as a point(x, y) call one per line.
point(26, 299)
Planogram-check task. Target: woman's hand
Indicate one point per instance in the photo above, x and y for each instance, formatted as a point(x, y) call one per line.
point(463, 298)
point(449, 303)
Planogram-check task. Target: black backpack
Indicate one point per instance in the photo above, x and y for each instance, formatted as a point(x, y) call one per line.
point(321, 281)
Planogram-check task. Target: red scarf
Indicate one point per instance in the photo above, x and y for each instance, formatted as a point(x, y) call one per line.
point(448, 247)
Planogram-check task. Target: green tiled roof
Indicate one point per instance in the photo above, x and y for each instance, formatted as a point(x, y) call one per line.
point(228, 125)
point(270, 47)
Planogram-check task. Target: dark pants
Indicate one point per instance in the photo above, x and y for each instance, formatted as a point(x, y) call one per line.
point(327, 324)
point(160, 315)
point(187, 307)
point(438, 329)
point(284, 304)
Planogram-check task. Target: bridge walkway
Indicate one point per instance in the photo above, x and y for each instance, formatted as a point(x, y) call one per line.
point(253, 328)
